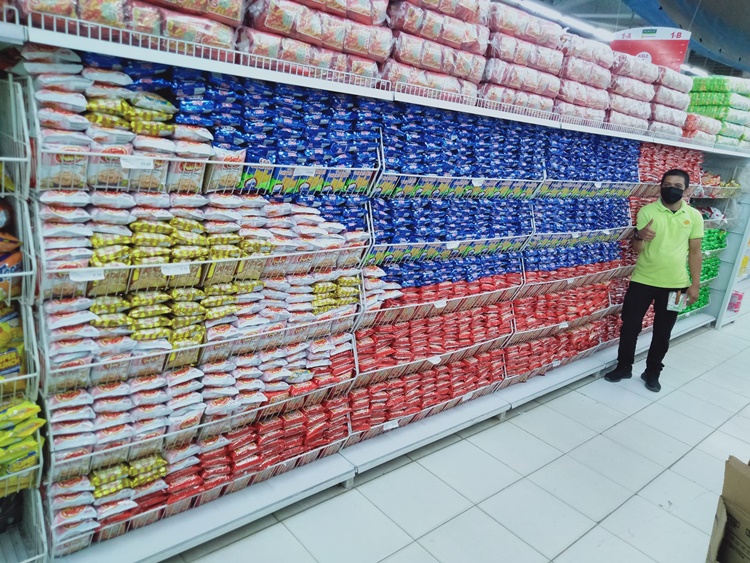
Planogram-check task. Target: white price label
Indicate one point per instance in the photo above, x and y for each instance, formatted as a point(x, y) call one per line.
point(564, 324)
point(575, 235)
point(598, 185)
point(434, 360)
point(390, 425)
point(467, 397)
point(87, 274)
point(137, 162)
point(477, 182)
point(556, 363)
point(452, 245)
point(175, 269)
point(304, 171)
point(570, 280)
point(440, 304)
point(606, 232)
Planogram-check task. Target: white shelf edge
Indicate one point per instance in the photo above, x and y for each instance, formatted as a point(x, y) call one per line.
point(18, 33)
point(196, 526)
point(394, 443)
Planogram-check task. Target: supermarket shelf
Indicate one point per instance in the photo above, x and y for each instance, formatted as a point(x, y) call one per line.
point(25, 542)
point(86, 40)
point(390, 445)
point(172, 536)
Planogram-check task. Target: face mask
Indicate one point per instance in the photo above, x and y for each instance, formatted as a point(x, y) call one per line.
point(671, 195)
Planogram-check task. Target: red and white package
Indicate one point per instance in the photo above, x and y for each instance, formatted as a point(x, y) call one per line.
point(631, 88)
point(523, 25)
point(147, 383)
point(72, 413)
point(121, 433)
point(633, 67)
point(115, 404)
point(674, 80)
point(587, 49)
point(629, 106)
point(113, 508)
point(64, 101)
point(74, 515)
point(671, 98)
point(708, 125)
point(668, 115)
point(582, 95)
point(665, 129)
point(110, 419)
point(181, 375)
point(72, 427)
point(620, 119)
point(517, 51)
point(521, 78)
point(509, 96)
point(580, 112)
point(580, 70)
point(150, 397)
point(108, 390)
point(73, 485)
point(60, 119)
point(68, 399)
point(148, 412)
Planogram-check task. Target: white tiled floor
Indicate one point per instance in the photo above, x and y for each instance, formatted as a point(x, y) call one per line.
point(594, 472)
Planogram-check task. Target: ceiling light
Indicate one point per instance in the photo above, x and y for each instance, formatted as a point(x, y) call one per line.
point(694, 70)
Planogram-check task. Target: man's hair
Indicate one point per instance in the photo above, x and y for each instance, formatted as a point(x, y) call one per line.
point(676, 172)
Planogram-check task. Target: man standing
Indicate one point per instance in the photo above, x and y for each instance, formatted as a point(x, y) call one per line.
point(668, 232)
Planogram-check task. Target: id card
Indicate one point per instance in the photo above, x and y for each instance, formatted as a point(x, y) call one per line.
point(677, 301)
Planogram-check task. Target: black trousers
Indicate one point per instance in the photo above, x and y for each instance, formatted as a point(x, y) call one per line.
point(637, 301)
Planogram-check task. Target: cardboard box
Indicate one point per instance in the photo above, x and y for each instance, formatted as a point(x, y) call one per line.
point(730, 539)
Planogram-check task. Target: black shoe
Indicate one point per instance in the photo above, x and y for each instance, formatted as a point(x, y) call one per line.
point(652, 383)
point(618, 374)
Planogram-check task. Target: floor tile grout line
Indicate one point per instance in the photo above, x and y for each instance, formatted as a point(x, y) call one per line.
point(300, 542)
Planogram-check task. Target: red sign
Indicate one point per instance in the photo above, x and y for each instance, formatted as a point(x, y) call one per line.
point(665, 46)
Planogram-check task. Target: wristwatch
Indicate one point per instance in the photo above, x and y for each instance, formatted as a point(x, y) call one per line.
point(637, 236)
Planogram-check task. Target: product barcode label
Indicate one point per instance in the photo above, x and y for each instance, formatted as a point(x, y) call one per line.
point(87, 274)
point(175, 269)
point(137, 162)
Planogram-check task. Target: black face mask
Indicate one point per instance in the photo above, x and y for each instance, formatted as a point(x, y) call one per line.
point(671, 195)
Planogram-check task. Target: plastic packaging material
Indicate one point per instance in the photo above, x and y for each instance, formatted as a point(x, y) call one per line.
point(433, 26)
point(721, 84)
point(520, 24)
point(580, 112)
point(582, 95)
point(699, 136)
point(396, 73)
point(194, 29)
point(509, 96)
point(297, 21)
point(629, 106)
point(432, 56)
point(623, 120)
point(517, 51)
point(695, 122)
point(228, 12)
point(672, 98)
point(371, 12)
point(735, 101)
point(635, 68)
point(631, 88)
point(723, 113)
point(655, 159)
point(587, 49)
point(521, 78)
point(665, 129)
point(471, 11)
point(676, 81)
point(580, 70)
point(668, 115)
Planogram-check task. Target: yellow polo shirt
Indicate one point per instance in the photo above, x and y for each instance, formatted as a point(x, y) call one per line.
point(662, 261)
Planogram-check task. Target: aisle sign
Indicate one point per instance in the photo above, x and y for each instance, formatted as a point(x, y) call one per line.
point(665, 46)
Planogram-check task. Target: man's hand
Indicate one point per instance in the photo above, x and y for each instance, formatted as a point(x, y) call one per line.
point(647, 233)
point(693, 293)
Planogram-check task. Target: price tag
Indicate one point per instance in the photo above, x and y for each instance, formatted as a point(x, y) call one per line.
point(575, 235)
point(440, 304)
point(175, 269)
point(434, 360)
point(606, 232)
point(598, 185)
point(137, 162)
point(304, 171)
point(477, 182)
point(556, 363)
point(570, 280)
point(564, 324)
point(467, 397)
point(452, 245)
point(390, 425)
point(87, 274)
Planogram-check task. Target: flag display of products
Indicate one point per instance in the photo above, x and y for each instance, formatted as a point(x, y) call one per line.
point(168, 388)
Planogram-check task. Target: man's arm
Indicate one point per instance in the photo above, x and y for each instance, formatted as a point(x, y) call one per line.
point(643, 235)
point(695, 263)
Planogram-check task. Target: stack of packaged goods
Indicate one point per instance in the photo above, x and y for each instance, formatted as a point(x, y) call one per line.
point(575, 156)
point(565, 262)
point(670, 102)
point(541, 311)
point(196, 28)
point(524, 59)
point(657, 159)
point(346, 36)
point(722, 98)
point(439, 46)
point(552, 215)
point(20, 443)
point(631, 91)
